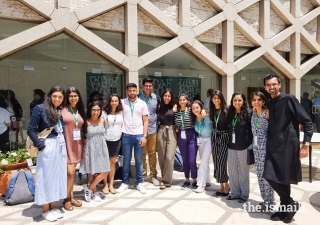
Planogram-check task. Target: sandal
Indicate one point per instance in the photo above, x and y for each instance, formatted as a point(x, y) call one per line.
point(75, 202)
point(67, 204)
point(105, 192)
point(231, 198)
point(112, 191)
point(241, 200)
point(162, 186)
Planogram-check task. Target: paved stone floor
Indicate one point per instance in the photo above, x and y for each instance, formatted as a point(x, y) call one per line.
point(175, 206)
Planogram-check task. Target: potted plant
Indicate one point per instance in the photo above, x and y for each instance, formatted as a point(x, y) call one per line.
point(9, 163)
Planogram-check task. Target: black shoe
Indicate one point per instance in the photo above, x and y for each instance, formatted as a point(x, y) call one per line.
point(278, 216)
point(218, 193)
point(185, 185)
point(292, 209)
point(194, 185)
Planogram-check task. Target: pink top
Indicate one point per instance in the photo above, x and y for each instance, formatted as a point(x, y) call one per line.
point(140, 109)
point(74, 147)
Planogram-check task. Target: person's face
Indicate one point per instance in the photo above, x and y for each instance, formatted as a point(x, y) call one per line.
point(95, 112)
point(183, 101)
point(96, 97)
point(257, 102)
point(36, 96)
point(216, 101)
point(167, 98)
point(132, 92)
point(305, 96)
point(147, 88)
point(56, 98)
point(114, 102)
point(196, 109)
point(237, 102)
point(73, 99)
point(272, 86)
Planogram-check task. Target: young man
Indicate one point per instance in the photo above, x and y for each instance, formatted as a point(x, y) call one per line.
point(135, 131)
point(207, 100)
point(38, 98)
point(282, 163)
point(152, 101)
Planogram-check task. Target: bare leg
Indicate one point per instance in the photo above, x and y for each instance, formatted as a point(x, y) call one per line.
point(96, 180)
point(112, 172)
point(70, 182)
point(105, 189)
point(45, 208)
point(17, 134)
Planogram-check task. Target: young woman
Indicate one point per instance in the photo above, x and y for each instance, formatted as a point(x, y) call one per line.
point(112, 114)
point(259, 126)
point(75, 127)
point(96, 156)
point(203, 127)
point(166, 138)
point(51, 171)
point(218, 114)
point(94, 96)
point(240, 139)
point(187, 140)
point(4, 125)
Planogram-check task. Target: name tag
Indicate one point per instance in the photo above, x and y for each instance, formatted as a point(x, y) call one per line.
point(255, 138)
point(61, 140)
point(183, 134)
point(29, 162)
point(199, 141)
point(76, 134)
point(233, 137)
point(132, 123)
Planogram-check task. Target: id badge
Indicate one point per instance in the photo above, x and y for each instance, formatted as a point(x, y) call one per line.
point(255, 140)
point(233, 137)
point(132, 123)
point(61, 140)
point(29, 162)
point(183, 134)
point(13, 119)
point(76, 134)
point(199, 141)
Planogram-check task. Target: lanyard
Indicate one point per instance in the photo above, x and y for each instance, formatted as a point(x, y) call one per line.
point(256, 121)
point(216, 119)
point(234, 121)
point(200, 126)
point(75, 116)
point(182, 117)
point(131, 107)
point(115, 116)
point(145, 98)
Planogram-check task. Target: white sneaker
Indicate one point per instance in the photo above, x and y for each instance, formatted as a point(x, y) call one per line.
point(49, 216)
point(122, 188)
point(156, 182)
point(96, 197)
point(141, 188)
point(57, 213)
point(87, 193)
point(199, 189)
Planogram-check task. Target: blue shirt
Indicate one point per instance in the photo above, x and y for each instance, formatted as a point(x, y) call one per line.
point(152, 103)
point(204, 127)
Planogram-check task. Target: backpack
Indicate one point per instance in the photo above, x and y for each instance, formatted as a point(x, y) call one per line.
point(178, 162)
point(20, 189)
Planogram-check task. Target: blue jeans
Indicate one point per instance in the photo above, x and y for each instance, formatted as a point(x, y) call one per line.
point(129, 141)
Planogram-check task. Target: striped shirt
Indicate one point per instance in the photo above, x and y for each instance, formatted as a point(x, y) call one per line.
point(183, 117)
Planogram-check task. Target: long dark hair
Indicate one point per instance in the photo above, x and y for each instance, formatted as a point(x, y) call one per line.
point(193, 116)
point(107, 106)
point(223, 106)
point(12, 99)
point(244, 111)
point(91, 105)
point(80, 107)
point(91, 96)
point(162, 105)
point(183, 95)
point(51, 113)
point(261, 95)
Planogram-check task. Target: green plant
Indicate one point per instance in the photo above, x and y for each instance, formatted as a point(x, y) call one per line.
point(13, 157)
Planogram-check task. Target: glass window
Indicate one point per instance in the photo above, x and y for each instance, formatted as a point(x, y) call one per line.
point(12, 27)
point(113, 38)
point(146, 43)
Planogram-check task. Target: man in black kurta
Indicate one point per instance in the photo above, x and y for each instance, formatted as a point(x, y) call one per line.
point(282, 163)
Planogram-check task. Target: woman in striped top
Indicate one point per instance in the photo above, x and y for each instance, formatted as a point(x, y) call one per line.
point(187, 139)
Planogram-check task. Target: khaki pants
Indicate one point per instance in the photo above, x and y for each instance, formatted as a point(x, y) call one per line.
point(166, 144)
point(150, 149)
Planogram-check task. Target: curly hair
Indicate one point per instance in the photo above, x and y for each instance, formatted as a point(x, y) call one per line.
point(244, 111)
point(107, 106)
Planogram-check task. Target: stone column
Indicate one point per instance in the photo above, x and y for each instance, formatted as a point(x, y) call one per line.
point(228, 84)
point(295, 85)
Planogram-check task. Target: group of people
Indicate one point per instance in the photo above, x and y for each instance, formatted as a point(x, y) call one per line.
point(147, 123)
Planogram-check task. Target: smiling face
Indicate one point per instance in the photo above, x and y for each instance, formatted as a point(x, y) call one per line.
point(272, 86)
point(183, 101)
point(73, 99)
point(237, 102)
point(132, 92)
point(147, 88)
point(56, 98)
point(257, 102)
point(114, 102)
point(216, 101)
point(196, 109)
point(95, 112)
point(167, 98)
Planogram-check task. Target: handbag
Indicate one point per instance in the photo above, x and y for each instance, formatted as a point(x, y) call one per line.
point(33, 151)
point(80, 178)
point(250, 157)
point(119, 162)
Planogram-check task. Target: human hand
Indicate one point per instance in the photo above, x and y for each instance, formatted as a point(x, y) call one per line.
point(304, 151)
point(143, 141)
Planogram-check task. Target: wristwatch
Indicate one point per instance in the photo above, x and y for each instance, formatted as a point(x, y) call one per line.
point(145, 136)
point(307, 143)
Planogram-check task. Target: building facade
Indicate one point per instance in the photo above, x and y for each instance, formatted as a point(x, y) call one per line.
point(187, 45)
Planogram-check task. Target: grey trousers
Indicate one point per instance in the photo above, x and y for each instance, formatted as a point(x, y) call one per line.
point(166, 146)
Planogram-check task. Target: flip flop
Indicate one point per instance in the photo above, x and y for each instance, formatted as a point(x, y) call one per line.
point(231, 198)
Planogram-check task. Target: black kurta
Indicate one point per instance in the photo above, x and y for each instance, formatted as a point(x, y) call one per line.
point(282, 163)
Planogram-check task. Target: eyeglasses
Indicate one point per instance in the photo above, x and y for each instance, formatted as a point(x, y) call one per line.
point(57, 96)
point(256, 100)
point(95, 110)
point(73, 96)
point(148, 86)
point(271, 85)
point(216, 98)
